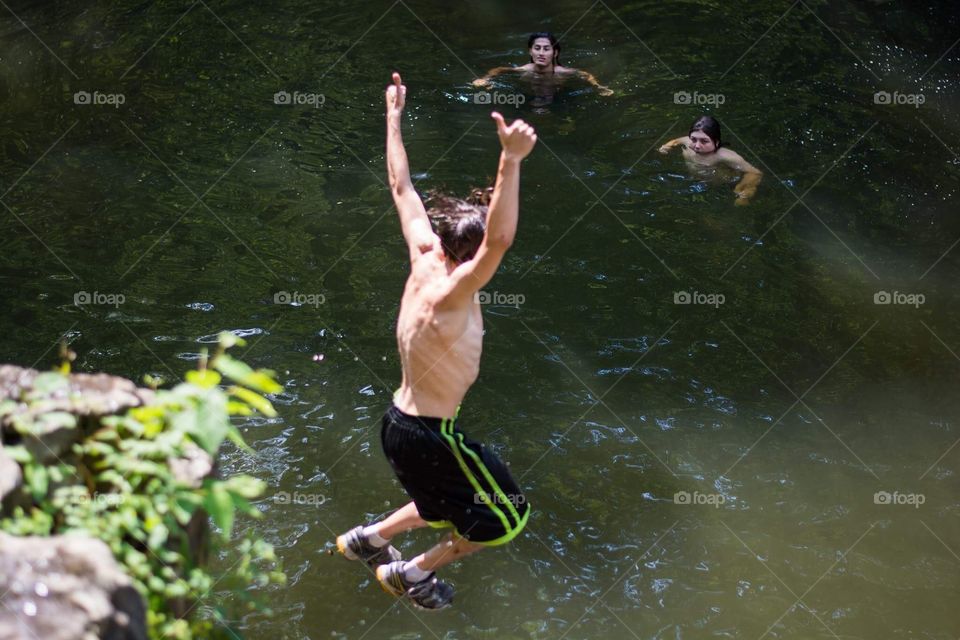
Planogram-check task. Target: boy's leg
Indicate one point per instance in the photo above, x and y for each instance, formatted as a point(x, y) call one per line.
point(372, 543)
point(450, 549)
point(403, 519)
point(416, 579)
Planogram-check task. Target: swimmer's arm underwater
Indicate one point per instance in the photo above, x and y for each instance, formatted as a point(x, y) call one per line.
point(485, 80)
point(589, 77)
point(413, 217)
point(752, 176)
point(517, 141)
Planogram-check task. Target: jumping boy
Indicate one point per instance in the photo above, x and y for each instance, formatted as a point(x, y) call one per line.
point(452, 480)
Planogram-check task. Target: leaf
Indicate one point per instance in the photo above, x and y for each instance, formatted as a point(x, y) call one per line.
point(228, 339)
point(219, 505)
point(19, 454)
point(234, 436)
point(206, 379)
point(233, 369)
point(38, 480)
point(158, 536)
point(188, 421)
point(235, 408)
point(246, 486)
point(255, 400)
point(260, 380)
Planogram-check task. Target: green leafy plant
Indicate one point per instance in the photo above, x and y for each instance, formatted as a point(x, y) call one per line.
point(118, 485)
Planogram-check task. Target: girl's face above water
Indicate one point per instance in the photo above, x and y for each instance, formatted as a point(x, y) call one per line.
point(701, 143)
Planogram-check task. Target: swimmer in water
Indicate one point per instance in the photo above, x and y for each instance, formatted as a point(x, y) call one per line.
point(544, 69)
point(702, 148)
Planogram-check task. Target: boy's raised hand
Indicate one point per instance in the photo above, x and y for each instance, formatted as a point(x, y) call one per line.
point(396, 95)
point(517, 139)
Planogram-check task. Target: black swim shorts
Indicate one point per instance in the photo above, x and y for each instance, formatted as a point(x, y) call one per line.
point(453, 480)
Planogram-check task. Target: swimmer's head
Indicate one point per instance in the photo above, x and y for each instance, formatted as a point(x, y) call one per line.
point(544, 49)
point(459, 223)
point(705, 134)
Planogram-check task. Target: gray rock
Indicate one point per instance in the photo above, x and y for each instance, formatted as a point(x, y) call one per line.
point(11, 477)
point(66, 588)
point(45, 409)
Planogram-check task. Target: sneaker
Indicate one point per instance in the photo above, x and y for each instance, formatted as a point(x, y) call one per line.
point(430, 594)
point(353, 544)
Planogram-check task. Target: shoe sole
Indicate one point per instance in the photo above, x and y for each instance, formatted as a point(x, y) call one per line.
point(427, 609)
point(344, 549)
point(385, 586)
point(389, 590)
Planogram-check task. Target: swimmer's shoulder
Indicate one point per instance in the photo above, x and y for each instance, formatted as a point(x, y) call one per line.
point(729, 157)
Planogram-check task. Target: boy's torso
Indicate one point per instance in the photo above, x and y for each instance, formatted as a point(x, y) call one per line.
point(439, 348)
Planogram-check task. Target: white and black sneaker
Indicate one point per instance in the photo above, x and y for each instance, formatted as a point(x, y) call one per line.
point(355, 546)
point(430, 594)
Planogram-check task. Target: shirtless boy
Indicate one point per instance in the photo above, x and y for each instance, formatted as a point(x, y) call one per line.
point(544, 69)
point(702, 150)
point(452, 480)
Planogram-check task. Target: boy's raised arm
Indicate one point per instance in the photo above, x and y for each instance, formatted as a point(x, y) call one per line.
point(413, 217)
point(517, 141)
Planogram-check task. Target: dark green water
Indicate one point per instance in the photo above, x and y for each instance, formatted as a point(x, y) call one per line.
point(793, 403)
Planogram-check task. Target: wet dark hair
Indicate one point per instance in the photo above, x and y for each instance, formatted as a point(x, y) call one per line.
point(553, 42)
point(708, 125)
point(459, 223)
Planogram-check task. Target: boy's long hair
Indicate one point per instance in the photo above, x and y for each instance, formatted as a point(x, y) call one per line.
point(460, 223)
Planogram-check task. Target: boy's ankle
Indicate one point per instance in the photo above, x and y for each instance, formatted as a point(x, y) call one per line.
point(373, 536)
